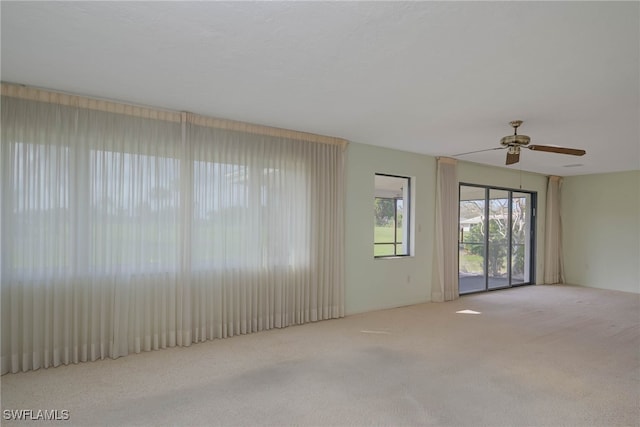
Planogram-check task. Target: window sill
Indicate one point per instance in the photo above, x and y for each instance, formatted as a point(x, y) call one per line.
point(393, 257)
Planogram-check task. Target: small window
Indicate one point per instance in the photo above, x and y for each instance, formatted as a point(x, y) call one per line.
point(391, 212)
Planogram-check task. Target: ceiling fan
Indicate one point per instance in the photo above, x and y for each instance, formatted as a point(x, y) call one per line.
point(513, 144)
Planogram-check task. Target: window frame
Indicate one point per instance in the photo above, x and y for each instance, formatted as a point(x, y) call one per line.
point(406, 220)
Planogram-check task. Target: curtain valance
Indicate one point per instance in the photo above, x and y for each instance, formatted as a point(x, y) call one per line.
point(42, 95)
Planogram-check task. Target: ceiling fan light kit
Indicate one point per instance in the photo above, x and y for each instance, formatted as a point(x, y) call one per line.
point(513, 144)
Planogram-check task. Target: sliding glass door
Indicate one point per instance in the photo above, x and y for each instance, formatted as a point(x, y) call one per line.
point(471, 267)
point(521, 236)
point(495, 239)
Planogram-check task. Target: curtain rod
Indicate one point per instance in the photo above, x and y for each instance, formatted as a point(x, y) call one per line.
point(42, 95)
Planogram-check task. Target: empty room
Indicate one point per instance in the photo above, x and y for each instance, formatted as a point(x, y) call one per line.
point(320, 213)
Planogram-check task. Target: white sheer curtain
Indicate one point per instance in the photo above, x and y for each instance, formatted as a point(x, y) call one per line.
point(445, 265)
point(553, 261)
point(266, 232)
point(128, 230)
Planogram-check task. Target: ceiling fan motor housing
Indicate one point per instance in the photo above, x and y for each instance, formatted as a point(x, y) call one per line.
point(515, 140)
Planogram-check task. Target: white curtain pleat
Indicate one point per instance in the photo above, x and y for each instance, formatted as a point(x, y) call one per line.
point(126, 233)
point(445, 266)
point(553, 259)
point(260, 220)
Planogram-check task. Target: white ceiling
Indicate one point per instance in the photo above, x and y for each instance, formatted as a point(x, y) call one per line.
point(437, 78)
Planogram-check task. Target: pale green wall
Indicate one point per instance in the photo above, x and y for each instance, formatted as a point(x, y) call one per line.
point(601, 230)
point(600, 213)
point(372, 284)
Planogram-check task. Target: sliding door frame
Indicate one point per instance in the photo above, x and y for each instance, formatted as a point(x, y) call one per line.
point(532, 210)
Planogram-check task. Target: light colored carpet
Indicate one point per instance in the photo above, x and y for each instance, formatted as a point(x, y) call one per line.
point(538, 355)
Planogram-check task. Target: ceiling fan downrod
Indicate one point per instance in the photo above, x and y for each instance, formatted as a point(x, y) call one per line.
point(515, 124)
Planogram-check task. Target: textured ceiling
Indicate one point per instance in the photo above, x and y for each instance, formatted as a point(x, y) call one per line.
point(438, 78)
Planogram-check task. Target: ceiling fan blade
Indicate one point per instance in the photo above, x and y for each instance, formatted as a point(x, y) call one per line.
point(479, 151)
point(561, 150)
point(513, 158)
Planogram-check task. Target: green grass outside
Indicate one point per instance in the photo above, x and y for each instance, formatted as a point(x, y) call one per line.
point(470, 263)
point(383, 235)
